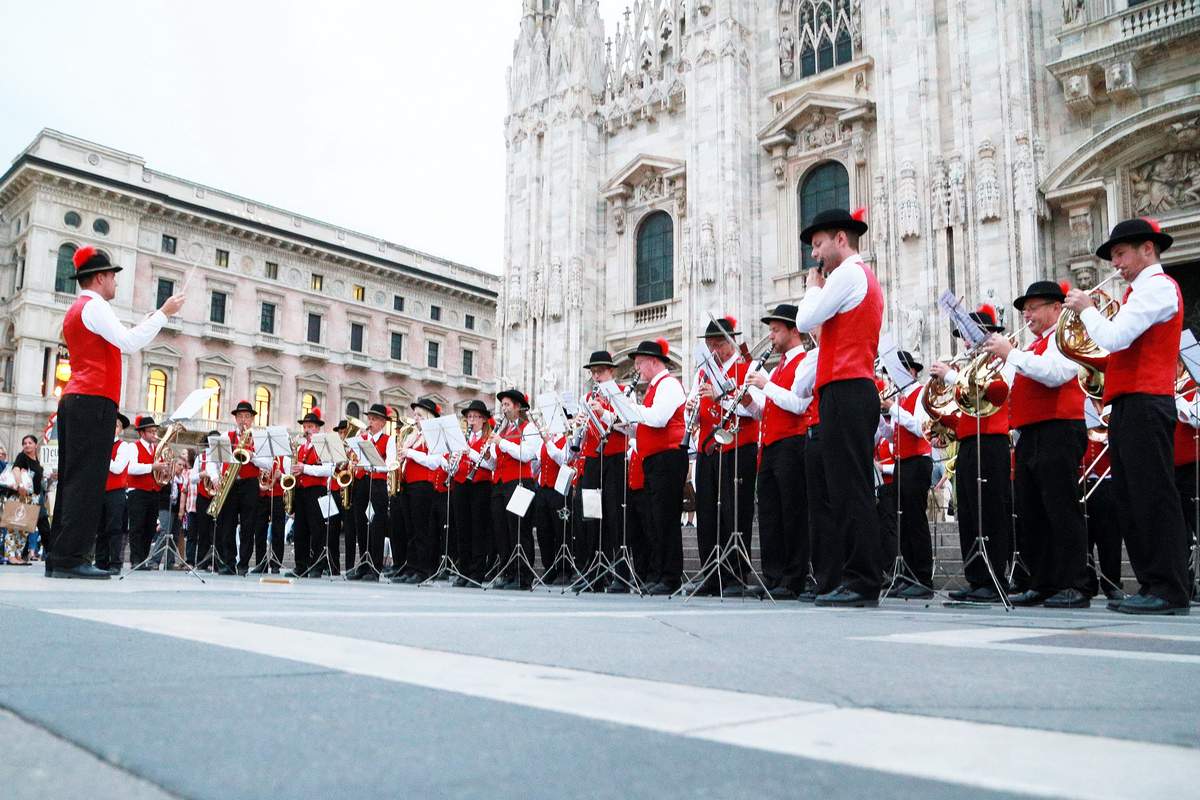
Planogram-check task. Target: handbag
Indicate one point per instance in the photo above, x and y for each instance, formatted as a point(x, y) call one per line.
point(19, 516)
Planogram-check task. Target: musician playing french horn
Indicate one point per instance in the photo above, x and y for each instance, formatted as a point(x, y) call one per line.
point(370, 489)
point(1047, 412)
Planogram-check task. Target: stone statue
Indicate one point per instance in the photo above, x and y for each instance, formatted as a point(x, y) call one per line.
point(1072, 10)
point(787, 52)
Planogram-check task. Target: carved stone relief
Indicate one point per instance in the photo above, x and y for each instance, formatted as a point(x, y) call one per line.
point(956, 197)
point(708, 251)
point(879, 210)
point(939, 191)
point(554, 290)
point(733, 246)
point(1169, 181)
point(908, 206)
point(575, 284)
point(987, 183)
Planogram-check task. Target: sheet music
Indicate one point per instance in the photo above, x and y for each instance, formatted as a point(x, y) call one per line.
point(627, 411)
point(551, 407)
point(889, 354)
point(192, 404)
point(443, 435)
point(1189, 351)
point(970, 331)
point(707, 364)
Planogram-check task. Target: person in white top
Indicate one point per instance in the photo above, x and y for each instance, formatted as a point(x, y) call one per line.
point(470, 500)
point(110, 534)
point(515, 446)
point(370, 490)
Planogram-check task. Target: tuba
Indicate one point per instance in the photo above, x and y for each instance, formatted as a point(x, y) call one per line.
point(241, 456)
point(162, 470)
point(407, 426)
point(1075, 343)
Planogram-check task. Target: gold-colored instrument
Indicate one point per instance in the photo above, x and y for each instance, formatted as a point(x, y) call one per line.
point(937, 398)
point(162, 469)
point(1076, 343)
point(394, 476)
point(726, 429)
point(981, 370)
point(287, 481)
point(241, 456)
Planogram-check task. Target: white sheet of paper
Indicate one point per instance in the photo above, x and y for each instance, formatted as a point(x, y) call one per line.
point(593, 506)
point(562, 484)
point(519, 502)
point(443, 435)
point(889, 354)
point(1091, 417)
point(272, 442)
point(328, 506)
point(550, 406)
point(1189, 351)
point(368, 454)
point(330, 448)
point(192, 404)
point(967, 327)
point(626, 411)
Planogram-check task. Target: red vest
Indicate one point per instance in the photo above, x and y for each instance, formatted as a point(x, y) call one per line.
point(380, 447)
point(276, 490)
point(614, 445)
point(908, 445)
point(247, 470)
point(883, 455)
point(711, 413)
point(637, 476)
point(779, 424)
point(965, 426)
point(144, 483)
point(656, 440)
point(307, 454)
point(417, 473)
point(119, 480)
point(481, 475)
point(439, 480)
point(1092, 454)
point(850, 339)
point(508, 468)
point(1149, 365)
point(1034, 402)
point(548, 473)
point(95, 364)
point(200, 486)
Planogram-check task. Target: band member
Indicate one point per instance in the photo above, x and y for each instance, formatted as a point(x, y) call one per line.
point(87, 411)
point(239, 515)
point(982, 483)
point(604, 462)
point(913, 479)
point(783, 515)
point(1099, 508)
point(110, 535)
point(549, 506)
point(885, 492)
point(206, 476)
point(271, 518)
point(470, 503)
point(345, 520)
point(370, 489)
point(1139, 382)
point(725, 474)
point(420, 495)
point(844, 298)
point(636, 517)
point(664, 464)
point(312, 484)
point(514, 445)
point(1187, 463)
point(144, 492)
point(1047, 411)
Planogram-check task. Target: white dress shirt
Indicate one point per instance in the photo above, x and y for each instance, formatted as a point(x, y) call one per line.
point(135, 466)
point(528, 448)
point(210, 469)
point(786, 397)
point(910, 421)
point(125, 454)
point(668, 398)
point(1051, 368)
point(844, 289)
point(559, 454)
point(99, 318)
point(1187, 411)
point(1152, 301)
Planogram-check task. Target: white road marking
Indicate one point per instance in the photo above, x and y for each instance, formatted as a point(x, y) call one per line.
point(989, 638)
point(1036, 762)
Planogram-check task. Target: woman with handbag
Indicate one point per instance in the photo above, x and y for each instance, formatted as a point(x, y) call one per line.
point(27, 479)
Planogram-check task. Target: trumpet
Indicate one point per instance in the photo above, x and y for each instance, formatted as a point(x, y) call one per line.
point(1076, 343)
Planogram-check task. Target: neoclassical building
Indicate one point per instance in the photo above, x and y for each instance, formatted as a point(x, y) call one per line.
point(282, 310)
point(666, 171)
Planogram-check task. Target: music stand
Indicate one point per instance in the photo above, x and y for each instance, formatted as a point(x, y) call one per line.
point(220, 452)
point(330, 450)
point(271, 443)
point(444, 436)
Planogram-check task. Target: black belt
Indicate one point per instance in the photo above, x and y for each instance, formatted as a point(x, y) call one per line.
point(814, 432)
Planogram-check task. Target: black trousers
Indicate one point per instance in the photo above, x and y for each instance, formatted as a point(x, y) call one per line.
point(551, 528)
point(783, 525)
point(238, 517)
point(420, 521)
point(202, 529)
point(1051, 527)
point(1104, 538)
point(85, 426)
point(1141, 438)
point(440, 531)
point(825, 549)
point(849, 416)
point(638, 522)
point(369, 534)
point(398, 528)
point(270, 516)
point(308, 526)
point(508, 529)
point(472, 502)
point(989, 454)
point(110, 536)
point(143, 524)
point(606, 473)
point(914, 477)
point(885, 495)
point(665, 473)
point(726, 482)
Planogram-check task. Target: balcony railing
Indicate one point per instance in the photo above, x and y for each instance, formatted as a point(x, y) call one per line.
point(358, 360)
point(215, 330)
point(315, 351)
point(650, 315)
point(1146, 17)
point(267, 341)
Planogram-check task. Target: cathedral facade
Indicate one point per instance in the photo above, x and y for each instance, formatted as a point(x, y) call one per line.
point(666, 171)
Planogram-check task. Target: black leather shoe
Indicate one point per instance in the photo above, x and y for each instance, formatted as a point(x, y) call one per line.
point(226, 571)
point(1069, 598)
point(843, 597)
point(706, 589)
point(460, 583)
point(1028, 598)
point(983, 594)
point(735, 589)
point(807, 596)
point(243, 571)
point(661, 590)
point(370, 576)
point(293, 573)
point(915, 591)
point(114, 570)
point(897, 589)
point(259, 570)
point(83, 571)
point(358, 572)
point(1115, 594)
point(960, 595)
point(783, 593)
point(616, 587)
point(1150, 604)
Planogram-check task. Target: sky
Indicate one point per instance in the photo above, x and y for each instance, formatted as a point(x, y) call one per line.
point(381, 117)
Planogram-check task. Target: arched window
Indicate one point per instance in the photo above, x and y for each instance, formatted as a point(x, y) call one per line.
point(308, 402)
point(156, 393)
point(353, 409)
point(64, 274)
point(262, 404)
point(212, 406)
point(655, 259)
point(827, 186)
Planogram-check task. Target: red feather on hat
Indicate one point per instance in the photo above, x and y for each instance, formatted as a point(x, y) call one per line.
point(437, 409)
point(860, 214)
point(664, 344)
point(732, 323)
point(316, 412)
point(1065, 286)
point(83, 255)
point(988, 310)
point(1154, 224)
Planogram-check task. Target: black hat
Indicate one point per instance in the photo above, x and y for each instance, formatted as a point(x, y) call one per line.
point(124, 420)
point(906, 358)
point(835, 219)
point(1135, 231)
point(379, 410)
point(143, 421)
point(985, 317)
point(512, 394)
point(600, 358)
point(342, 425)
point(428, 405)
point(88, 261)
point(784, 312)
point(477, 405)
point(244, 405)
point(1050, 290)
point(721, 327)
point(314, 417)
point(659, 348)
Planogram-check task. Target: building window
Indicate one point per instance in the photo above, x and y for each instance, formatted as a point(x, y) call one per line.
point(272, 270)
point(168, 244)
point(307, 403)
point(655, 259)
point(262, 404)
point(433, 350)
point(435, 313)
point(827, 186)
point(156, 394)
point(100, 226)
point(65, 272)
point(468, 362)
point(397, 346)
point(166, 288)
point(216, 308)
point(824, 33)
point(266, 320)
point(222, 258)
point(318, 282)
point(212, 406)
point(353, 409)
point(72, 220)
point(469, 322)
point(356, 337)
point(397, 303)
point(360, 293)
point(314, 328)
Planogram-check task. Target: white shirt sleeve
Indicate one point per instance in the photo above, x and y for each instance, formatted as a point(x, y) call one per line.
point(1185, 411)
point(668, 397)
point(119, 464)
point(318, 470)
point(194, 473)
point(558, 454)
point(1152, 301)
point(844, 289)
point(99, 318)
point(758, 402)
point(527, 450)
point(911, 422)
point(1051, 368)
point(426, 460)
point(885, 469)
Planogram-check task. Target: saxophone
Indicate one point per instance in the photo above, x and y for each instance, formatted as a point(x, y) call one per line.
point(241, 456)
point(288, 481)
